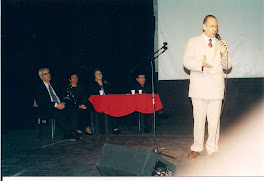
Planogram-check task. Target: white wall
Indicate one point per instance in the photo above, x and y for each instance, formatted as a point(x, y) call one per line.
point(241, 24)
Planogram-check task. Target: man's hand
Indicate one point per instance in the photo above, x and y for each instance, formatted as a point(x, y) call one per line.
point(82, 106)
point(60, 106)
point(223, 47)
point(205, 64)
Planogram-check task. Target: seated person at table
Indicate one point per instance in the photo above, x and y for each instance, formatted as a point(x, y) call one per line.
point(76, 105)
point(50, 104)
point(140, 84)
point(100, 84)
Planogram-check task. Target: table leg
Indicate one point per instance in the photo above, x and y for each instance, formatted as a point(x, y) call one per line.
point(141, 122)
point(106, 127)
point(96, 123)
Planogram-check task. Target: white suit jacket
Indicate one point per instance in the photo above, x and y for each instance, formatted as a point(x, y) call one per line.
point(209, 83)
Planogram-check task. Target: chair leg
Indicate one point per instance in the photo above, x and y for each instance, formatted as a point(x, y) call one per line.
point(139, 122)
point(96, 123)
point(92, 123)
point(52, 127)
point(129, 123)
point(39, 128)
point(45, 127)
point(142, 123)
point(106, 127)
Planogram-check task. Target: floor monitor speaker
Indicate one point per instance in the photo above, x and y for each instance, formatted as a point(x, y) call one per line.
point(116, 160)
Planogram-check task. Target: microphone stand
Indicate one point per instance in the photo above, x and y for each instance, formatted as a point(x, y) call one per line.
point(155, 149)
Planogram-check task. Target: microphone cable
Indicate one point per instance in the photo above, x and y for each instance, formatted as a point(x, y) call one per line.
point(223, 103)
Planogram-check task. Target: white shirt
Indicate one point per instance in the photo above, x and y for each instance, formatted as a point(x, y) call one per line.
point(47, 86)
point(207, 40)
point(213, 42)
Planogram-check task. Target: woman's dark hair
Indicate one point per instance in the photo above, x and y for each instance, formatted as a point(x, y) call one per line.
point(97, 69)
point(71, 74)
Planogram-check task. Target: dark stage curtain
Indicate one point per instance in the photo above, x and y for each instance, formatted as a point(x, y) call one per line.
point(66, 35)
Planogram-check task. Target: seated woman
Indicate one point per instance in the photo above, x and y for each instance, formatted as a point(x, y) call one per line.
point(99, 84)
point(76, 105)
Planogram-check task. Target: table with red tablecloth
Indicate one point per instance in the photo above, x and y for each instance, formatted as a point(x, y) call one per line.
point(118, 105)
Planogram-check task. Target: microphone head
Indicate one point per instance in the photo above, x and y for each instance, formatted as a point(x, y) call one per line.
point(218, 36)
point(165, 43)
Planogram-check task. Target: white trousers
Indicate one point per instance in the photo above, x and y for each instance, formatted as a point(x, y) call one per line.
point(212, 109)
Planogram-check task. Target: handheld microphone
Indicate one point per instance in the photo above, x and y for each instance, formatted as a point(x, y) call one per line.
point(218, 36)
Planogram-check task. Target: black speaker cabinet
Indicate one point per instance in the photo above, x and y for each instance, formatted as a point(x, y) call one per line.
point(116, 160)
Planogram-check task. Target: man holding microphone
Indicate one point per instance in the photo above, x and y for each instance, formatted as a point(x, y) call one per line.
point(206, 57)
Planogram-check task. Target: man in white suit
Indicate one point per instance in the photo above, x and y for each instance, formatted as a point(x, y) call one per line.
point(205, 56)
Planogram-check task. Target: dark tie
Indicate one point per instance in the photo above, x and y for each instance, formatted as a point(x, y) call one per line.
point(210, 43)
point(54, 98)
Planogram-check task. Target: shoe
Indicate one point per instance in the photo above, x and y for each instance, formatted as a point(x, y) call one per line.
point(116, 132)
point(88, 131)
point(193, 154)
point(79, 133)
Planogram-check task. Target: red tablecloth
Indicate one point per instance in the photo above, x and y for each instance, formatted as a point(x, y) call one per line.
point(123, 104)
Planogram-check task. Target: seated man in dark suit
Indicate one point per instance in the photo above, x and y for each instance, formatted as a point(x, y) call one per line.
point(50, 105)
point(140, 84)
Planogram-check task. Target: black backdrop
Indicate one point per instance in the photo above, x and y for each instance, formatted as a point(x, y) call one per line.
point(67, 35)
point(81, 35)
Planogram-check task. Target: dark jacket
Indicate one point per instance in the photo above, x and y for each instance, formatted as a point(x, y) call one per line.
point(74, 96)
point(95, 87)
point(42, 98)
point(146, 89)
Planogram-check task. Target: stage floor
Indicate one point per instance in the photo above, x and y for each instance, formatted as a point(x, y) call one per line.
point(23, 154)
